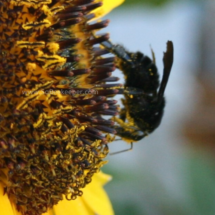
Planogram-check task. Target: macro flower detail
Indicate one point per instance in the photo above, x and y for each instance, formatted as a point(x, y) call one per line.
point(54, 91)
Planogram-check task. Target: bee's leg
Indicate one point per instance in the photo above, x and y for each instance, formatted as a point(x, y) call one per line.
point(125, 150)
point(122, 114)
point(123, 101)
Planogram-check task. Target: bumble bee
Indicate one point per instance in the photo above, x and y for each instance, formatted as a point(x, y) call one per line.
point(144, 99)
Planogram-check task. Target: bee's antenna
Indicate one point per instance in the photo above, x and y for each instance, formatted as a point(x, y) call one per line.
point(119, 51)
point(114, 153)
point(153, 55)
point(118, 139)
point(167, 61)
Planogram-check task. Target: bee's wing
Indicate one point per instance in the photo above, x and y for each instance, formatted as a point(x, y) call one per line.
point(167, 61)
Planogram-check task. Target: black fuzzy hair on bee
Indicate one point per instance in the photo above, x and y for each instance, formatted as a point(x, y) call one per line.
point(144, 99)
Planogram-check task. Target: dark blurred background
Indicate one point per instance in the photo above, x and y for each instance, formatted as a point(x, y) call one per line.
point(173, 170)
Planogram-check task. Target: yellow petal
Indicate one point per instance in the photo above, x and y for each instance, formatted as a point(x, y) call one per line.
point(102, 178)
point(74, 207)
point(95, 196)
point(49, 212)
point(6, 207)
point(15, 212)
point(107, 6)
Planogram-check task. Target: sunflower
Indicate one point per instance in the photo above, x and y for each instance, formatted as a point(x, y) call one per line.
point(54, 91)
